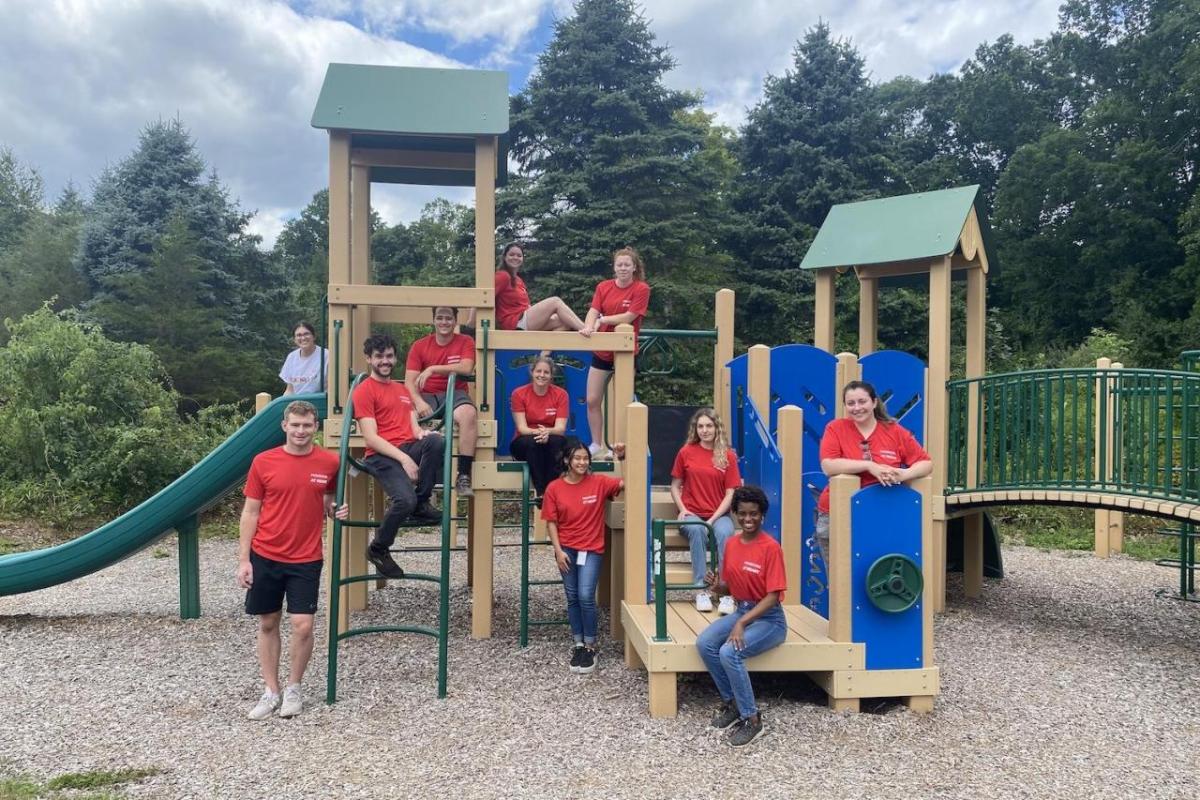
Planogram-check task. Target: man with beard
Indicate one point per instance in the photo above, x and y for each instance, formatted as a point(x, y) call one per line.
point(404, 457)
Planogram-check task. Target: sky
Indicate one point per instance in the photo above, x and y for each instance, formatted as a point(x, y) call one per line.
point(79, 79)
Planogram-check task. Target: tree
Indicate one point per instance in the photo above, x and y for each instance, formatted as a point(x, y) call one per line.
point(21, 197)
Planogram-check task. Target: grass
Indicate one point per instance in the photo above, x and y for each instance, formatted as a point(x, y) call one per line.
point(9, 546)
point(93, 785)
point(1055, 528)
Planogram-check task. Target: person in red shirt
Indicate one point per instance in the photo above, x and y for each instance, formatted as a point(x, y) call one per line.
point(621, 300)
point(399, 452)
point(540, 412)
point(288, 493)
point(513, 309)
point(753, 574)
point(868, 443)
point(573, 508)
point(430, 360)
point(703, 478)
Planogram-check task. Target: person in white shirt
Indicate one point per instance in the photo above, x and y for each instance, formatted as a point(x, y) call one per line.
point(305, 367)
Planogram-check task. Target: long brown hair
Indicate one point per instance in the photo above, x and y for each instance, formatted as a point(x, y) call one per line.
point(639, 266)
point(881, 414)
point(720, 441)
point(503, 265)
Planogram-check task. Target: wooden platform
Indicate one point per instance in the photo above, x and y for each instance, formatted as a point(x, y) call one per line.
point(1187, 512)
point(838, 667)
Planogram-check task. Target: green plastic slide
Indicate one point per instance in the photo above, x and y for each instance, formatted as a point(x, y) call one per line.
point(197, 489)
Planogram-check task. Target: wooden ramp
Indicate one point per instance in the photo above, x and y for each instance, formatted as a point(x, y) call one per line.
point(838, 667)
point(1186, 512)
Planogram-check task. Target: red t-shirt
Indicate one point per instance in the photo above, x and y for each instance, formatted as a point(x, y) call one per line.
point(891, 444)
point(390, 405)
point(292, 490)
point(427, 352)
point(610, 299)
point(539, 410)
point(511, 300)
point(704, 485)
point(753, 570)
point(578, 509)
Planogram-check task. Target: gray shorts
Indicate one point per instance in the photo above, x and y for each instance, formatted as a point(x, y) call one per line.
point(438, 401)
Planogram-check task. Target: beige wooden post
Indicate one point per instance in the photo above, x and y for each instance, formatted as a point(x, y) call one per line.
point(339, 272)
point(723, 353)
point(868, 315)
point(261, 401)
point(936, 405)
point(758, 380)
point(635, 588)
point(847, 369)
point(841, 549)
point(823, 316)
point(1109, 525)
point(791, 442)
point(976, 366)
point(1116, 519)
point(481, 506)
point(622, 387)
point(1101, 516)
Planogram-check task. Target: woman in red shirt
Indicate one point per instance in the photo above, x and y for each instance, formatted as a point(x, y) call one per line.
point(539, 410)
point(703, 478)
point(574, 507)
point(618, 301)
point(513, 310)
point(868, 443)
point(754, 575)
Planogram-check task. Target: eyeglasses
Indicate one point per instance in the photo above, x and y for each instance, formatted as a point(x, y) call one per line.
point(443, 319)
point(865, 446)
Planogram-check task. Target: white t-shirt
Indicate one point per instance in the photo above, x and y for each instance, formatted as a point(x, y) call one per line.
point(303, 373)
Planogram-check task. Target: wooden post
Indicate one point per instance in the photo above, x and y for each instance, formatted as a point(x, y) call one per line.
point(791, 442)
point(868, 314)
point(622, 383)
point(636, 500)
point(936, 405)
point(973, 554)
point(339, 272)
point(723, 353)
point(975, 367)
point(847, 369)
point(1102, 516)
point(841, 547)
point(758, 380)
point(823, 316)
point(261, 401)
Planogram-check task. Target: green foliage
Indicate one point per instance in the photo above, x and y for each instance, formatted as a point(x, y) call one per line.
point(88, 424)
point(94, 785)
point(99, 779)
point(437, 249)
point(21, 197)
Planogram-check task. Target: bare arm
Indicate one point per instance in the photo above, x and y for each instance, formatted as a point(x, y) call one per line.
point(522, 427)
point(560, 555)
point(247, 525)
point(677, 496)
point(723, 508)
point(917, 470)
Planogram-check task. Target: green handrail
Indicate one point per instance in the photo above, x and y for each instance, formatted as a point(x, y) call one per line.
point(337, 366)
point(658, 534)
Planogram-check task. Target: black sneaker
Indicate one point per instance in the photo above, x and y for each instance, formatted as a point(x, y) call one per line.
point(577, 656)
point(462, 485)
point(746, 731)
point(587, 661)
point(725, 715)
point(426, 512)
point(383, 562)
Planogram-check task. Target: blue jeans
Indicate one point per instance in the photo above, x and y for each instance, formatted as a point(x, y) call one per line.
point(727, 665)
point(579, 582)
point(698, 540)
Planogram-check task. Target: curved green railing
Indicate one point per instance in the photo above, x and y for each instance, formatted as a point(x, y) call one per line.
point(656, 350)
point(1112, 431)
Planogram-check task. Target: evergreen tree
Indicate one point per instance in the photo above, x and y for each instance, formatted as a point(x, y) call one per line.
point(21, 197)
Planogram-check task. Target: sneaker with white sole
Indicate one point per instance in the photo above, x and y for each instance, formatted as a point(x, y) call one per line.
point(577, 656)
point(587, 661)
point(293, 701)
point(266, 706)
point(599, 452)
point(746, 731)
point(462, 485)
point(704, 602)
point(726, 605)
point(725, 715)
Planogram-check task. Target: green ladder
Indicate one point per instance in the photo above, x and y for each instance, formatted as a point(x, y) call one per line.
point(443, 579)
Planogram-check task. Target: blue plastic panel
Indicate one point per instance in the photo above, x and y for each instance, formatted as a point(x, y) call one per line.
point(649, 536)
point(814, 591)
point(737, 401)
point(899, 379)
point(804, 376)
point(885, 520)
point(762, 465)
point(512, 371)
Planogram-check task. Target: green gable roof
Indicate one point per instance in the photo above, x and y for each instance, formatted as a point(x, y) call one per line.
point(913, 226)
point(412, 100)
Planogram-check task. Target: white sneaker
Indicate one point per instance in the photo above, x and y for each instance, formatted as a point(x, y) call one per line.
point(293, 701)
point(726, 605)
point(704, 602)
point(599, 452)
point(266, 706)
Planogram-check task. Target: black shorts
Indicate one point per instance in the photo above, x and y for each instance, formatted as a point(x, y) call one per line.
point(272, 580)
point(600, 363)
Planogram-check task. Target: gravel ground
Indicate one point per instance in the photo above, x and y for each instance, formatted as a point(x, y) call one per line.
point(1067, 679)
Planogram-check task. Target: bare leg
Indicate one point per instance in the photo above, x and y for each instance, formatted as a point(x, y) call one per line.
point(596, 383)
point(268, 649)
point(466, 422)
point(538, 315)
point(301, 645)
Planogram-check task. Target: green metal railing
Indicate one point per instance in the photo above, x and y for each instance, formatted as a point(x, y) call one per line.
point(656, 351)
point(442, 579)
point(658, 533)
point(1113, 431)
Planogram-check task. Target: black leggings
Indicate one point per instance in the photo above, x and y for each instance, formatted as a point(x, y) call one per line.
point(543, 458)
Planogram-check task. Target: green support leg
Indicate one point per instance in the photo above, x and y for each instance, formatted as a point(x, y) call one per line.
point(189, 567)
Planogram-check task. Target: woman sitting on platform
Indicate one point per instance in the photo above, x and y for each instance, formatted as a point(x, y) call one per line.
point(623, 299)
point(703, 478)
point(305, 368)
point(574, 508)
point(513, 310)
point(753, 574)
point(539, 410)
point(868, 443)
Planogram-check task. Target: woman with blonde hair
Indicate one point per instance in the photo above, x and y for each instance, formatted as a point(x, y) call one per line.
point(703, 478)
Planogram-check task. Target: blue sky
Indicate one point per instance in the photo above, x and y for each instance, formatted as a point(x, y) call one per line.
point(80, 78)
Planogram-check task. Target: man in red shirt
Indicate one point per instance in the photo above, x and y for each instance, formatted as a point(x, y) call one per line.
point(399, 452)
point(430, 360)
point(288, 493)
